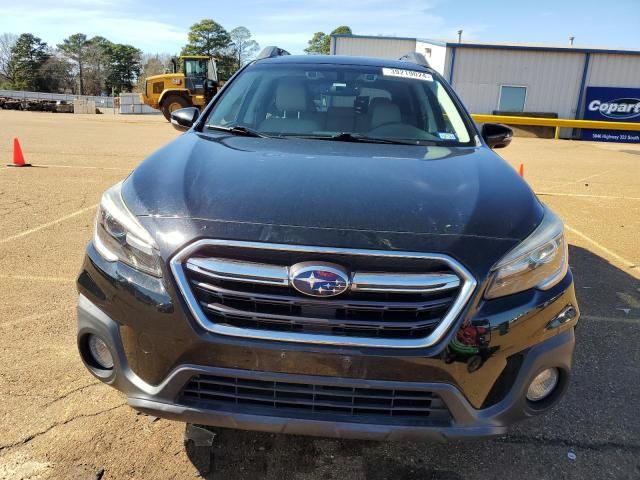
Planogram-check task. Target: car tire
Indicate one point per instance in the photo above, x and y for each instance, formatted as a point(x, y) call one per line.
point(172, 103)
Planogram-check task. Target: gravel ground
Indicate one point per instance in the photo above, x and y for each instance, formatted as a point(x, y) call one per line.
point(57, 421)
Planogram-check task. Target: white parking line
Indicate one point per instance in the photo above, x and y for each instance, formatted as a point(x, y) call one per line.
point(591, 318)
point(37, 278)
point(564, 184)
point(48, 224)
point(627, 263)
point(35, 316)
point(590, 177)
point(85, 166)
point(610, 197)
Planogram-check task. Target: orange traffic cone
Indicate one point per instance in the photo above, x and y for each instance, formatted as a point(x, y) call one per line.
point(18, 157)
point(521, 170)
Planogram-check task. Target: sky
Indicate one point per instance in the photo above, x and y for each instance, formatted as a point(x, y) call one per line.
point(161, 26)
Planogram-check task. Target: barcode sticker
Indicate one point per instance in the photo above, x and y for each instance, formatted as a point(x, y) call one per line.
point(447, 136)
point(398, 72)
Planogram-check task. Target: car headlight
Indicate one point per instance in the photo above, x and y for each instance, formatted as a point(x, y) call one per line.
point(119, 236)
point(540, 261)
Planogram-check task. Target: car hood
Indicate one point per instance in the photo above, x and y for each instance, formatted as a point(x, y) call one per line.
point(463, 191)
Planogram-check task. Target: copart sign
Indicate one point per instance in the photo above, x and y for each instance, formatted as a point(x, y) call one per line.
point(612, 105)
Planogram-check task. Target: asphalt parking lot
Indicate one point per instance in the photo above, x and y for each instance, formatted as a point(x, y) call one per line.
point(57, 421)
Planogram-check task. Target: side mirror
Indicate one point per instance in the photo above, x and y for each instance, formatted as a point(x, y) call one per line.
point(184, 118)
point(496, 135)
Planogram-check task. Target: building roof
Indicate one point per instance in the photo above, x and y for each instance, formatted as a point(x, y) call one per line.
point(505, 45)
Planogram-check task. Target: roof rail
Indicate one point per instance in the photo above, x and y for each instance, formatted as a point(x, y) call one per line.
point(270, 52)
point(415, 57)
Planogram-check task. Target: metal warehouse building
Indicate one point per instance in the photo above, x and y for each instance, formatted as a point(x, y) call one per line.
point(494, 77)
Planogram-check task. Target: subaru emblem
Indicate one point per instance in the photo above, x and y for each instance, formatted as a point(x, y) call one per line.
point(319, 279)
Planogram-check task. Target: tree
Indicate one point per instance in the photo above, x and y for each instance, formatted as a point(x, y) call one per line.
point(316, 44)
point(7, 41)
point(209, 38)
point(155, 64)
point(320, 43)
point(124, 68)
point(56, 75)
point(28, 55)
point(206, 37)
point(227, 65)
point(243, 48)
point(75, 48)
point(97, 64)
point(342, 30)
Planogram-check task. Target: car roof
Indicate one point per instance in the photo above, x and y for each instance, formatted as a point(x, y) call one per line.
point(343, 60)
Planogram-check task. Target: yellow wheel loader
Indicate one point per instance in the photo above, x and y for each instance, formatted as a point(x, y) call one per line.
point(195, 86)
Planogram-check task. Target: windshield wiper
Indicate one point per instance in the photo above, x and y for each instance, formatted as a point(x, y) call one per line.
point(240, 130)
point(350, 137)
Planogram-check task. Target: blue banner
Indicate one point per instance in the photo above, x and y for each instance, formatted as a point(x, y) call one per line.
point(610, 104)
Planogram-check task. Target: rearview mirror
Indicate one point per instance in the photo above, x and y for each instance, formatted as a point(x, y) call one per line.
point(496, 135)
point(184, 118)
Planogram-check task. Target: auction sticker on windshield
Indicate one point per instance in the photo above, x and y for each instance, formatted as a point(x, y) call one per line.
point(447, 136)
point(398, 72)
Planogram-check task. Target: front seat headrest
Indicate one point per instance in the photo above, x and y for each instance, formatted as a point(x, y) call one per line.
point(291, 96)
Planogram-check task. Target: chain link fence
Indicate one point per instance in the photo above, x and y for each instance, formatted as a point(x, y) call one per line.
point(126, 103)
point(101, 102)
point(129, 103)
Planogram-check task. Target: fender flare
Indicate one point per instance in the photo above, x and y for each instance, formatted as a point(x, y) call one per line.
point(173, 91)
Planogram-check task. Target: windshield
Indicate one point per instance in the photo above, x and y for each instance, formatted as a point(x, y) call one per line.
point(341, 101)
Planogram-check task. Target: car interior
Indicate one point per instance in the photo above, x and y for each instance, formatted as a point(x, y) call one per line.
point(330, 103)
point(340, 108)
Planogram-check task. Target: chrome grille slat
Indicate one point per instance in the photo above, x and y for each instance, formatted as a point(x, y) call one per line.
point(250, 272)
point(383, 310)
point(278, 275)
point(226, 311)
point(333, 302)
point(403, 283)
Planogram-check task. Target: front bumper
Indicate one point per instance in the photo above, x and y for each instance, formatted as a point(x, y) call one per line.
point(162, 399)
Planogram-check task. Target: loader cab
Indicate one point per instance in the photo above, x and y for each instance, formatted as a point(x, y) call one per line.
point(197, 71)
point(195, 74)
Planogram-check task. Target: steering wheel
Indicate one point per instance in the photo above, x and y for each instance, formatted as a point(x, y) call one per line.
point(398, 130)
point(388, 124)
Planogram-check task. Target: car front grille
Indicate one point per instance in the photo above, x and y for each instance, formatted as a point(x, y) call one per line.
point(354, 403)
point(243, 289)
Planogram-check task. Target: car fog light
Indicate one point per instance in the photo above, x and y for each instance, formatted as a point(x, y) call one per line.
point(542, 386)
point(100, 352)
point(568, 313)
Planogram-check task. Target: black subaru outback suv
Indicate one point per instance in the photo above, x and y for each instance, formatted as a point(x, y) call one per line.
point(332, 249)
